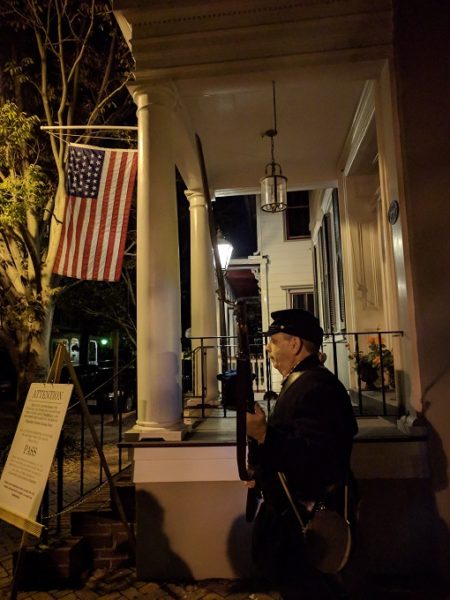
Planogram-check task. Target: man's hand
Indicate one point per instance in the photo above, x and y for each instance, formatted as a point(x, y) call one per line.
point(257, 424)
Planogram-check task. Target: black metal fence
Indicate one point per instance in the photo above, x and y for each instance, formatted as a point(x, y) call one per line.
point(77, 470)
point(367, 362)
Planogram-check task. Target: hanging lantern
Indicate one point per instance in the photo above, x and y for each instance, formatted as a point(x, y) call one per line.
point(274, 183)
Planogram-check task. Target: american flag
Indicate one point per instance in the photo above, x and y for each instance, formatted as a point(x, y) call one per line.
point(99, 186)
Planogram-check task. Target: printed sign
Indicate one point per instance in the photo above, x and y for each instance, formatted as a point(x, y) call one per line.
point(30, 458)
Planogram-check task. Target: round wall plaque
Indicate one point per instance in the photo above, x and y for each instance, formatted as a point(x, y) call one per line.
point(393, 212)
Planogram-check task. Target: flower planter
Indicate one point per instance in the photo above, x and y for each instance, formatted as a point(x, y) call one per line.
point(369, 375)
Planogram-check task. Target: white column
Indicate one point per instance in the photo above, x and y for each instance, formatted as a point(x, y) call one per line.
point(158, 276)
point(203, 298)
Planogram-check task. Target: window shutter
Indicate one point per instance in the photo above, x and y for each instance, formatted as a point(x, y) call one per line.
point(330, 279)
point(339, 261)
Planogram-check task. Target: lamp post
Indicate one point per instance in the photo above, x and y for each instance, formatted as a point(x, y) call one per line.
point(225, 250)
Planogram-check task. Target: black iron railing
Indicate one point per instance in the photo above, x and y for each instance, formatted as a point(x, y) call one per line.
point(77, 470)
point(367, 362)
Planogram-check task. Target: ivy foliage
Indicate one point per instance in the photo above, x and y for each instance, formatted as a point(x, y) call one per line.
point(63, 63)
point(24, 186)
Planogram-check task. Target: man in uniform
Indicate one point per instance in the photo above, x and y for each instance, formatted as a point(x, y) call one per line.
point(308, 438)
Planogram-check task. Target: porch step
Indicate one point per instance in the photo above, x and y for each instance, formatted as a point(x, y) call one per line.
point(126, 492)
point(106, 536)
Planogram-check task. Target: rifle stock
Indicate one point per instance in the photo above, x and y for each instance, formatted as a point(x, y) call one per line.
point(245, 402)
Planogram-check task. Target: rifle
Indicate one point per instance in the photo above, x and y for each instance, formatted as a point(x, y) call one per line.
point(245, 402)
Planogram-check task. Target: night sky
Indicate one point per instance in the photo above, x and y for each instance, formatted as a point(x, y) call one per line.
point(236, 217)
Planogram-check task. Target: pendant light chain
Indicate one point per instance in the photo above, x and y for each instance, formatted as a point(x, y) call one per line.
point(272, 150)
point(273, 185)
point(274, 109)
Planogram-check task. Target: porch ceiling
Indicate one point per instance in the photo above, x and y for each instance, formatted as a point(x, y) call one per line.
point(314, 112)
point(222, 56)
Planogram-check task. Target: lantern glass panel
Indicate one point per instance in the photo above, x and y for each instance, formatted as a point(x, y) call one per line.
point(274, 193)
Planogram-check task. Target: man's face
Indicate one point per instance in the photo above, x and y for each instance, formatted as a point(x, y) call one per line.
point(281, 350)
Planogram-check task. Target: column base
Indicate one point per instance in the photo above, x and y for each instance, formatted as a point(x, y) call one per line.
point(168, 434)
point(196, 402)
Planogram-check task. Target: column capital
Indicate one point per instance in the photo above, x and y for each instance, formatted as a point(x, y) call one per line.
point(157, 93)
point(195, 198)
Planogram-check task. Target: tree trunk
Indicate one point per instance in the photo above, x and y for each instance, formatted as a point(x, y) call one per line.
point(32, 358)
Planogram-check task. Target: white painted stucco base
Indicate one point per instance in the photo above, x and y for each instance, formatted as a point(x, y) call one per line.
point(190, 508)
point(192, 530)
point(190, 512)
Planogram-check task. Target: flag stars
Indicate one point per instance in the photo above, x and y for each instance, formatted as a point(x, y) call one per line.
point(84, 171)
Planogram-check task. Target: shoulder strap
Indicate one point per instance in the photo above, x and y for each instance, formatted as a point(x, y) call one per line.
point(290, 380)
point(283, 481)
point(282, 478)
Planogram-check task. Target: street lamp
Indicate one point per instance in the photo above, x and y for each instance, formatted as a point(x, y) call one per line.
point(225, 250)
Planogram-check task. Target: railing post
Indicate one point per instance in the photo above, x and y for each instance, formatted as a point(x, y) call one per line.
point(119, 433)
point(383, 391)
point(203, 374)
point(82, 444)
point(60, 480)
point(102, 440)
point(358, 370)
point(335, 363)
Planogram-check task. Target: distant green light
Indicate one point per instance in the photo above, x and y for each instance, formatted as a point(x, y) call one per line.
point(104, 341)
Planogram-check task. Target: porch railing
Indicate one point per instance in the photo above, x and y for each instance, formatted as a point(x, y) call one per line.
point(367, 362)
point(77, 469)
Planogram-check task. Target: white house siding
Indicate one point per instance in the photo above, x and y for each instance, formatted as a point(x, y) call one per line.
point(289, 264)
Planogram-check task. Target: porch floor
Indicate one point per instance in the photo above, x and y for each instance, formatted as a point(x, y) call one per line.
point(217, 428)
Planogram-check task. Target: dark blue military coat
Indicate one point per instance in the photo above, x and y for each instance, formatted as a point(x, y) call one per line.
point(309, 438)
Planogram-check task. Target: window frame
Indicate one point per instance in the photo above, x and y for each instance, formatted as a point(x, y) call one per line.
point(300, 290)
point(289, 211)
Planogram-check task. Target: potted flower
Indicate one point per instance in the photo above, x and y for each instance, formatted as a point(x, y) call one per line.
point(368, 364)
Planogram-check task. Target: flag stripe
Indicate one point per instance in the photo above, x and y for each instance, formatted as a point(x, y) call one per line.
point(79, 225)
point(69, 236)
point(72, 234)
point(116, 221)
point(132, 170)
point(101, 217)
point(112, 218)
point(87, 208)
point(100, 185)
point(119, 247)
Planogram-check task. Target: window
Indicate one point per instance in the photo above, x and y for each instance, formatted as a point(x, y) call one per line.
point(75, 351)
point(339, 267)
point(92, 353)
point(300, 297)
point(329, 276)
point(297, 215)
point(329, 271)
point(305, 301)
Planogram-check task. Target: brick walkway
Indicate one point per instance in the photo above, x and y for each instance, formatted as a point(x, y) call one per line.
point(122, 583)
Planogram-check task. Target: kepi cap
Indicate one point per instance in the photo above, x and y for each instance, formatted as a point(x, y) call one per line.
point(298, 322)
